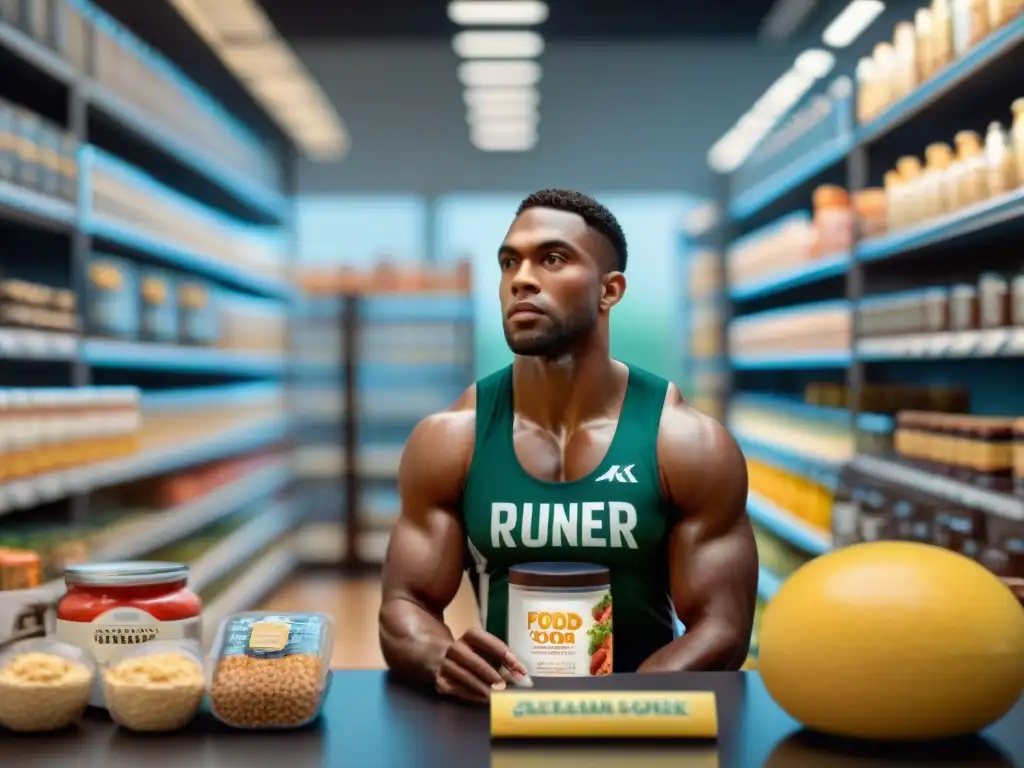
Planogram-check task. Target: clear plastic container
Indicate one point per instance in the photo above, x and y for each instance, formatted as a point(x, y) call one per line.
point(157, 686)
point(270, 670)
point(44, 685)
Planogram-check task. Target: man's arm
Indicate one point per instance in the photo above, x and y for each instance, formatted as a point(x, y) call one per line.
point(423, 564)
point(712, 555)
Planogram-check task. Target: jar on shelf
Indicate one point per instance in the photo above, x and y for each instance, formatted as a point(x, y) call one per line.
point(924, 33)
point(937, 180)
point(833, 220)
point(942, 34)
point(110, 608)
point(870, 206)
point(970, 177)
point(905, 45)
point(1001, 160)
point(970, 24)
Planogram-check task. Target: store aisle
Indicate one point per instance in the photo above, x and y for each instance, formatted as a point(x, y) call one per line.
point(353, 603)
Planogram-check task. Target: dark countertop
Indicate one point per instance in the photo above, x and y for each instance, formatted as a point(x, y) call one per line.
point(370, 719)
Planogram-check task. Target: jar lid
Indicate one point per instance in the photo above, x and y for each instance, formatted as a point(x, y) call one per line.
point(559, 575)
point(127, 574)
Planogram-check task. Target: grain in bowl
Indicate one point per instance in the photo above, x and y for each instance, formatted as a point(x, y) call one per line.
point(158, 687)
point(44, 685)
point(270, 670)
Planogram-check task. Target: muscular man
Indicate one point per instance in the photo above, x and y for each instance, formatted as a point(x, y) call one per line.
point(646, 485)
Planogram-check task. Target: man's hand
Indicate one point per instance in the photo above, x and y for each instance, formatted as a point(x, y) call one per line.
point(476, 664)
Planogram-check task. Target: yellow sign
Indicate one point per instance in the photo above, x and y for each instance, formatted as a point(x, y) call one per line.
point(523, 714)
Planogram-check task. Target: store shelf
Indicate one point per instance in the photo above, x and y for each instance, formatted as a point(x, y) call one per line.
point(35, 55)
point(831, 358)
point(24, 494)
point(961, 494)
point(261, 578)
point(31, 208)
point(815, 468)
point(267, 204)
point(868, 422)
point(954, 345)
point(19, 344)
point(417, 308)
point(787, 526)
point(984, 216)
point(171, 255)
point(767, 584)
point(802, 274)
point(800, 171)
point(956, 75)
point(126, 355)
point(239, 546)
point(160, 528)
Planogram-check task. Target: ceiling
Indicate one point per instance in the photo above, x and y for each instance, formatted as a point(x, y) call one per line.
point(567, 20)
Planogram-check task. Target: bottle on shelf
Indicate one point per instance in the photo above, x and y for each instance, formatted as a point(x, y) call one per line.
point(970, 172)
point(895, 191)
point(867, 91)
point(885, 71)
point(1017, 140)
point(905, 77)
point(970, 24)
point(924, 29)
point(942, 34)
point(1002, 12)
point(1000, 161)
point(912, 175)
point(936, 199)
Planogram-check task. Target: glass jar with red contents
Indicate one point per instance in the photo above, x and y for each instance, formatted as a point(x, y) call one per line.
point(110, 608)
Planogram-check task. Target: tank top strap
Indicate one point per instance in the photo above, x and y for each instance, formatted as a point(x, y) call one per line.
point(640, 419)
point(493, 411)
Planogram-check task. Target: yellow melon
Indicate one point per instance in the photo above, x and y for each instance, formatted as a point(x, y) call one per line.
point(893, 640)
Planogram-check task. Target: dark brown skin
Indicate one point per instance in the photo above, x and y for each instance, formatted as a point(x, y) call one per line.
point(566, 409)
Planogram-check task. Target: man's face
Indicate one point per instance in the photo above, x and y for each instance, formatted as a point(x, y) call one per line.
point(552, 266)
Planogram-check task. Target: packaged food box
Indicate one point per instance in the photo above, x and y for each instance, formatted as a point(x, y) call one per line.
point(270, 670)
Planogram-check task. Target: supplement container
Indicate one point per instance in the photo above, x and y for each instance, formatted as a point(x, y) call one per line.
point(158, 686)
point(560, 618)
point(270, 670)
point(113, 308)
point(44, 685)
point(110, 608)
point(158, 320)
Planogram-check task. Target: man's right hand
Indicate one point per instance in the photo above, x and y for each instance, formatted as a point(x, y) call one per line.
point(476, 664)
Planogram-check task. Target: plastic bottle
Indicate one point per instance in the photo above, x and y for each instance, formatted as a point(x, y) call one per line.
point(884, 56)
point(895, 200)
point(1002, 12)
point(866, 91)
point(912, 176)
point(970, 24)
point(1017, 140)
point(942, 34)
point(970, 184)
point(999, 157)
point(924, 30)
point(905, 44)
point(936, 198)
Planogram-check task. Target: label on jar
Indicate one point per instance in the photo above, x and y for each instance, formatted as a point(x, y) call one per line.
point(561, 634)
point(113, 633)
point(273, 636)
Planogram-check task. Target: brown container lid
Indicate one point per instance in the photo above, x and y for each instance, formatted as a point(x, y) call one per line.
point(559, 575)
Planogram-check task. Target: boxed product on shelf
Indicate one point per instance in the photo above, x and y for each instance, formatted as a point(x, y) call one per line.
point(112, 310)
point(385, 278)
point(803, 498)
point(46, 430)
point(151, 84)
point(819, 327)
point(939, 34)
point(36, 154)
point(825, 440)
point(786, 242)
point(252, 324)
point(124, 194)
point(29, 305)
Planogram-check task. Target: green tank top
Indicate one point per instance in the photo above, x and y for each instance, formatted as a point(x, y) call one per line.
point(616, 516)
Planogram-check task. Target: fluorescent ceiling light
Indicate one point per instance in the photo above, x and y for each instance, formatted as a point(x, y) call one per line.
point(228, 19)
point(816, 63)
point(499, 73)
point(485, 97)
point(504, 123)
point(784, 18)
point(517, 140)
point(249, 60)
point(498, 45)
point(851, 22)
point(509, 13)
point(511, 110)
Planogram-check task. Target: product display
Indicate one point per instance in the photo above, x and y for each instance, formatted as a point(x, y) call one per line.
point(33, 306)
point(156, 687)
point(560, 618)
point(44, 685)
point(941, 33)
point(805, 499)
point(807, 329)
point(113, 607)
point(46, 430)
point(956, 669)
point(270, 670)
point(158, 316)
point(36, 154)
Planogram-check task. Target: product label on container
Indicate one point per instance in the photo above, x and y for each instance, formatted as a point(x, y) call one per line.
point(561, 634)
point(273, 636)
point(112, 634)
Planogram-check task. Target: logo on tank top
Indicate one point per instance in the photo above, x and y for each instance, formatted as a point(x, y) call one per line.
point(586, 525)
point(617, 474)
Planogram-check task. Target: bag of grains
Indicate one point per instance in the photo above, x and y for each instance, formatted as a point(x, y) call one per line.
point(44, 685)
point(270, 670)
point(157, 686)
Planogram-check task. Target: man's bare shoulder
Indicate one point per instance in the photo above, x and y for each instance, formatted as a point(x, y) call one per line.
point(440, 448)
